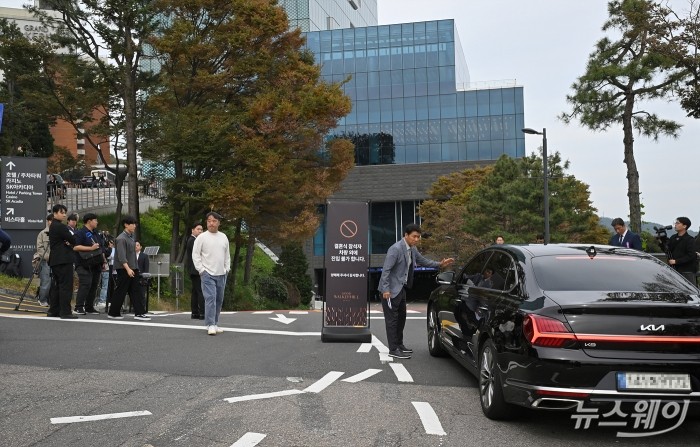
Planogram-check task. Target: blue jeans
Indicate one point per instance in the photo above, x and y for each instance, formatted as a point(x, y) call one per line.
point(104, 287)
point(44, 281)
point(213, 291)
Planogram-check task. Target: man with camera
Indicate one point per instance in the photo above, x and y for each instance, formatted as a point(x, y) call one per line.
point(681, 250)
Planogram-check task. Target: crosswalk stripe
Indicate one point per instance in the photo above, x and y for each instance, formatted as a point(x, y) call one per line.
point(250, 439)
point(401, 372)
point(430, 421)
point(365, 347)
point(98, 417)
point(263, 396)
point(324, 382)
point(362, 376)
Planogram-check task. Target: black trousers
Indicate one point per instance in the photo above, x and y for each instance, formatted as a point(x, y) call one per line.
point(127, 284)
point(395, 319)
point(197, 300)
point(88, 279)
point(61, 290)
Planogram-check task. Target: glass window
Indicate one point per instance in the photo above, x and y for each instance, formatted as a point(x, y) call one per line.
point(326, 64)
point(409, 82)
point(448, 105)
point(509, 148)
point(386, 115)
point(409, 104)
point(383, 34)
point(325, 37)
point(396, 58)
point(422, 132)
point(337, 62)
point(436, 153)
point(384, 59)
point(474, 268)
point(348, 39)
point(496, 127)
point(408, 60)
point(399, 154)
point(313, 42)
point(485, 150)
point(502, 270)
point(349, 57)
point(433, 107)
point(422, 107)
point(421, 81)
point(520, 147)
point(419, 33)
point(411, 153)
point(410, 132)
point(361, 112)
point(372, 60)
point(336, 40)
point(446, 30)
point(483, 102)
point(472, 150)
point(395, 35)
point(435, 128)
point(449, 130)
point(496, 102)
point(509, 129)
point(508, 101)
point(432, 56)
point(382, 226)
point(423, 153)
point(460, 104)
point(519, 107)
point(408, 214)
point(397, 132)
point(472, 128)
point(447, 79)
point(446, 56)
point(373, 85)
point(431, 32)
point(398, 109)
point(407, 34)
point(360, 38)
point(450, 152)
point(374, 111)
point(496, 149)
point(420, 57)
point(360, 60)
point(470, 107)
point(396, 83)
point(372, 39)
point(433, 80)
point(484, 123)
point(360, 81)
point(385, 84)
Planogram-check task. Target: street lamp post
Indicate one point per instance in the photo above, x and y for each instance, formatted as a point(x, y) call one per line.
point(545, 173)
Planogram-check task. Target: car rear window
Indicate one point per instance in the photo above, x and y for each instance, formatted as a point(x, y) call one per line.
point(607, 273)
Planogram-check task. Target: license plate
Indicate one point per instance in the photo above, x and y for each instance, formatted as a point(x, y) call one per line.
point(642, 381)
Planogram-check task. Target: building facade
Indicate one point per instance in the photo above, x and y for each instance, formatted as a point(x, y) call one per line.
point(317, 15)
point(416, 115)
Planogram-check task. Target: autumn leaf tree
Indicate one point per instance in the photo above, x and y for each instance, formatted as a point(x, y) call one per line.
point(635, 65)
point(242, 115)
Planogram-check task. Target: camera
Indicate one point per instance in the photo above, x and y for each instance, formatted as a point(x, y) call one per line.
point(661, 235)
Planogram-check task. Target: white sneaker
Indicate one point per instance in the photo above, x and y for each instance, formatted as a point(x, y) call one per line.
point(219, 330)
point(211, 330)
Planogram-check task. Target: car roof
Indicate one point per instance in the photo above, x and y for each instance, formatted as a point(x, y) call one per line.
point(564, 249)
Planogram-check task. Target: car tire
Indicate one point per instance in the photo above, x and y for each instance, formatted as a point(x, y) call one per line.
point(435, 347)
point(493, 404)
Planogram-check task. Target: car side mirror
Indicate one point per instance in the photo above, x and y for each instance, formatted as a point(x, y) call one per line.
point(445, 278)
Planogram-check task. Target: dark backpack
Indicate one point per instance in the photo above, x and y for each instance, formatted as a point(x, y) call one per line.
point(11, 264)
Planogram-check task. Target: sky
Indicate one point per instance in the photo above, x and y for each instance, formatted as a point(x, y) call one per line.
point(544, 45)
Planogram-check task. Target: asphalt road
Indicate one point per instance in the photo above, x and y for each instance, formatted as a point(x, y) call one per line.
point(262, 382)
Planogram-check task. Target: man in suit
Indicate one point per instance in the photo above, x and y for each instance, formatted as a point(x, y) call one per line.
point(144, 265)
point(397, 276)
point(624, 237)
point(61, 258)
point(197, 299)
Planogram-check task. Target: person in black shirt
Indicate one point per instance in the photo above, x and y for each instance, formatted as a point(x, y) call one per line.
point(681, 248)
point(196, 296)
point(61, 262)
point(87, 239)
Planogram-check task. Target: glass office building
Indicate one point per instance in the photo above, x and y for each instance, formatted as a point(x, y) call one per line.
point(317, 15)
point(415, 116)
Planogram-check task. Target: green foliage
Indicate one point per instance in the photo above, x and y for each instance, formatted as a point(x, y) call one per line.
point(469, 209)
point(292, 267)
point(635, 65)
point(272, 288)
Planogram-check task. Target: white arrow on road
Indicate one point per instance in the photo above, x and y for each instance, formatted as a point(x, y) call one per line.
point(10, 212)
point(10, 165)
point(283, 319)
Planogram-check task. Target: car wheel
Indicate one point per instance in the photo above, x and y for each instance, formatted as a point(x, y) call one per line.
point(434, 343)
point(490, 387)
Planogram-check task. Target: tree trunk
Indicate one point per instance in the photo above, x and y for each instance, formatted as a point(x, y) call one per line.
point(632, 172)
point(236, 255)
point(250, 250)
point(129, 73)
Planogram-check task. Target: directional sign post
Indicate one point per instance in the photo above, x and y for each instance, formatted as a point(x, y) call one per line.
point(23, 193)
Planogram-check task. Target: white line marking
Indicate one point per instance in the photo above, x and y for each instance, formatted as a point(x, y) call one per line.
point(263, 312)
point(377, 343)
point(412, 311)
point(430, 421)
point(362, 376)
point(98, 417)
point(384, 358)
point(282, 318)
point(401, 372)
point(376, 311)
point(408, 318)
point(263, 396)
point(250, 439)
point(298, 312)
point(365, 347)
point(166, 325)
point(323, 382)
point(230, 312)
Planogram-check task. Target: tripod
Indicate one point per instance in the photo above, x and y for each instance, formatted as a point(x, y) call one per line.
point(35, 272)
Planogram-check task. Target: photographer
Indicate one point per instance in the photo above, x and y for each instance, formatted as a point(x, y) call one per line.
point(681, 250)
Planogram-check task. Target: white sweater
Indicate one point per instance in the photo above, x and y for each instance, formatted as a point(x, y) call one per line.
point(211, 253)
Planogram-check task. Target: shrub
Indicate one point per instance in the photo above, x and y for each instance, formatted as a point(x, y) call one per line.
point(272, 288)
point(292, 267)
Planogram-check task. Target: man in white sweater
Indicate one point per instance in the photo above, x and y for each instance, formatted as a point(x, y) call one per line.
point(212, 259)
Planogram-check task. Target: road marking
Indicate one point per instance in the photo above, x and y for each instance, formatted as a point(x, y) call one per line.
point(323, 382)
point(263, 396)
point(408, 318)
point(229, 312)
point(365, 347)
point(250, 439)
point(298, 312)
point(167, 325)
point(263, 312)
point(376, 311)
point(430, 421)
point(401, 372)
point(412, 311)
point(362, 376)
point(383, 350)
point(98, 417)
point(282, 318)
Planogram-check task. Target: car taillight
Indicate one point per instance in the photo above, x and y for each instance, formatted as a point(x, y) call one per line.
point(547, 332)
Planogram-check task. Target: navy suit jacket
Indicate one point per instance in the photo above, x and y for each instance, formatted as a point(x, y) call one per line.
point(631, 240)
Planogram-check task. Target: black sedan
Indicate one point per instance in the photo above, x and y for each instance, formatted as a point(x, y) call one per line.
point(564, 326)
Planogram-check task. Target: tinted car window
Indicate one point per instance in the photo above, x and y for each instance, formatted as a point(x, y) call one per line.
point(607, 273)
point(503, 268)
point(472, 272)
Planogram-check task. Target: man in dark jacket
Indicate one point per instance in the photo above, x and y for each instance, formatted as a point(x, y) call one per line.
point(682, 251)
point(87, 239)
point(61, 260)
point(197, 298)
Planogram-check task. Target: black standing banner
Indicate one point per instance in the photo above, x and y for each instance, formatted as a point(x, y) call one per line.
point(346, 312)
